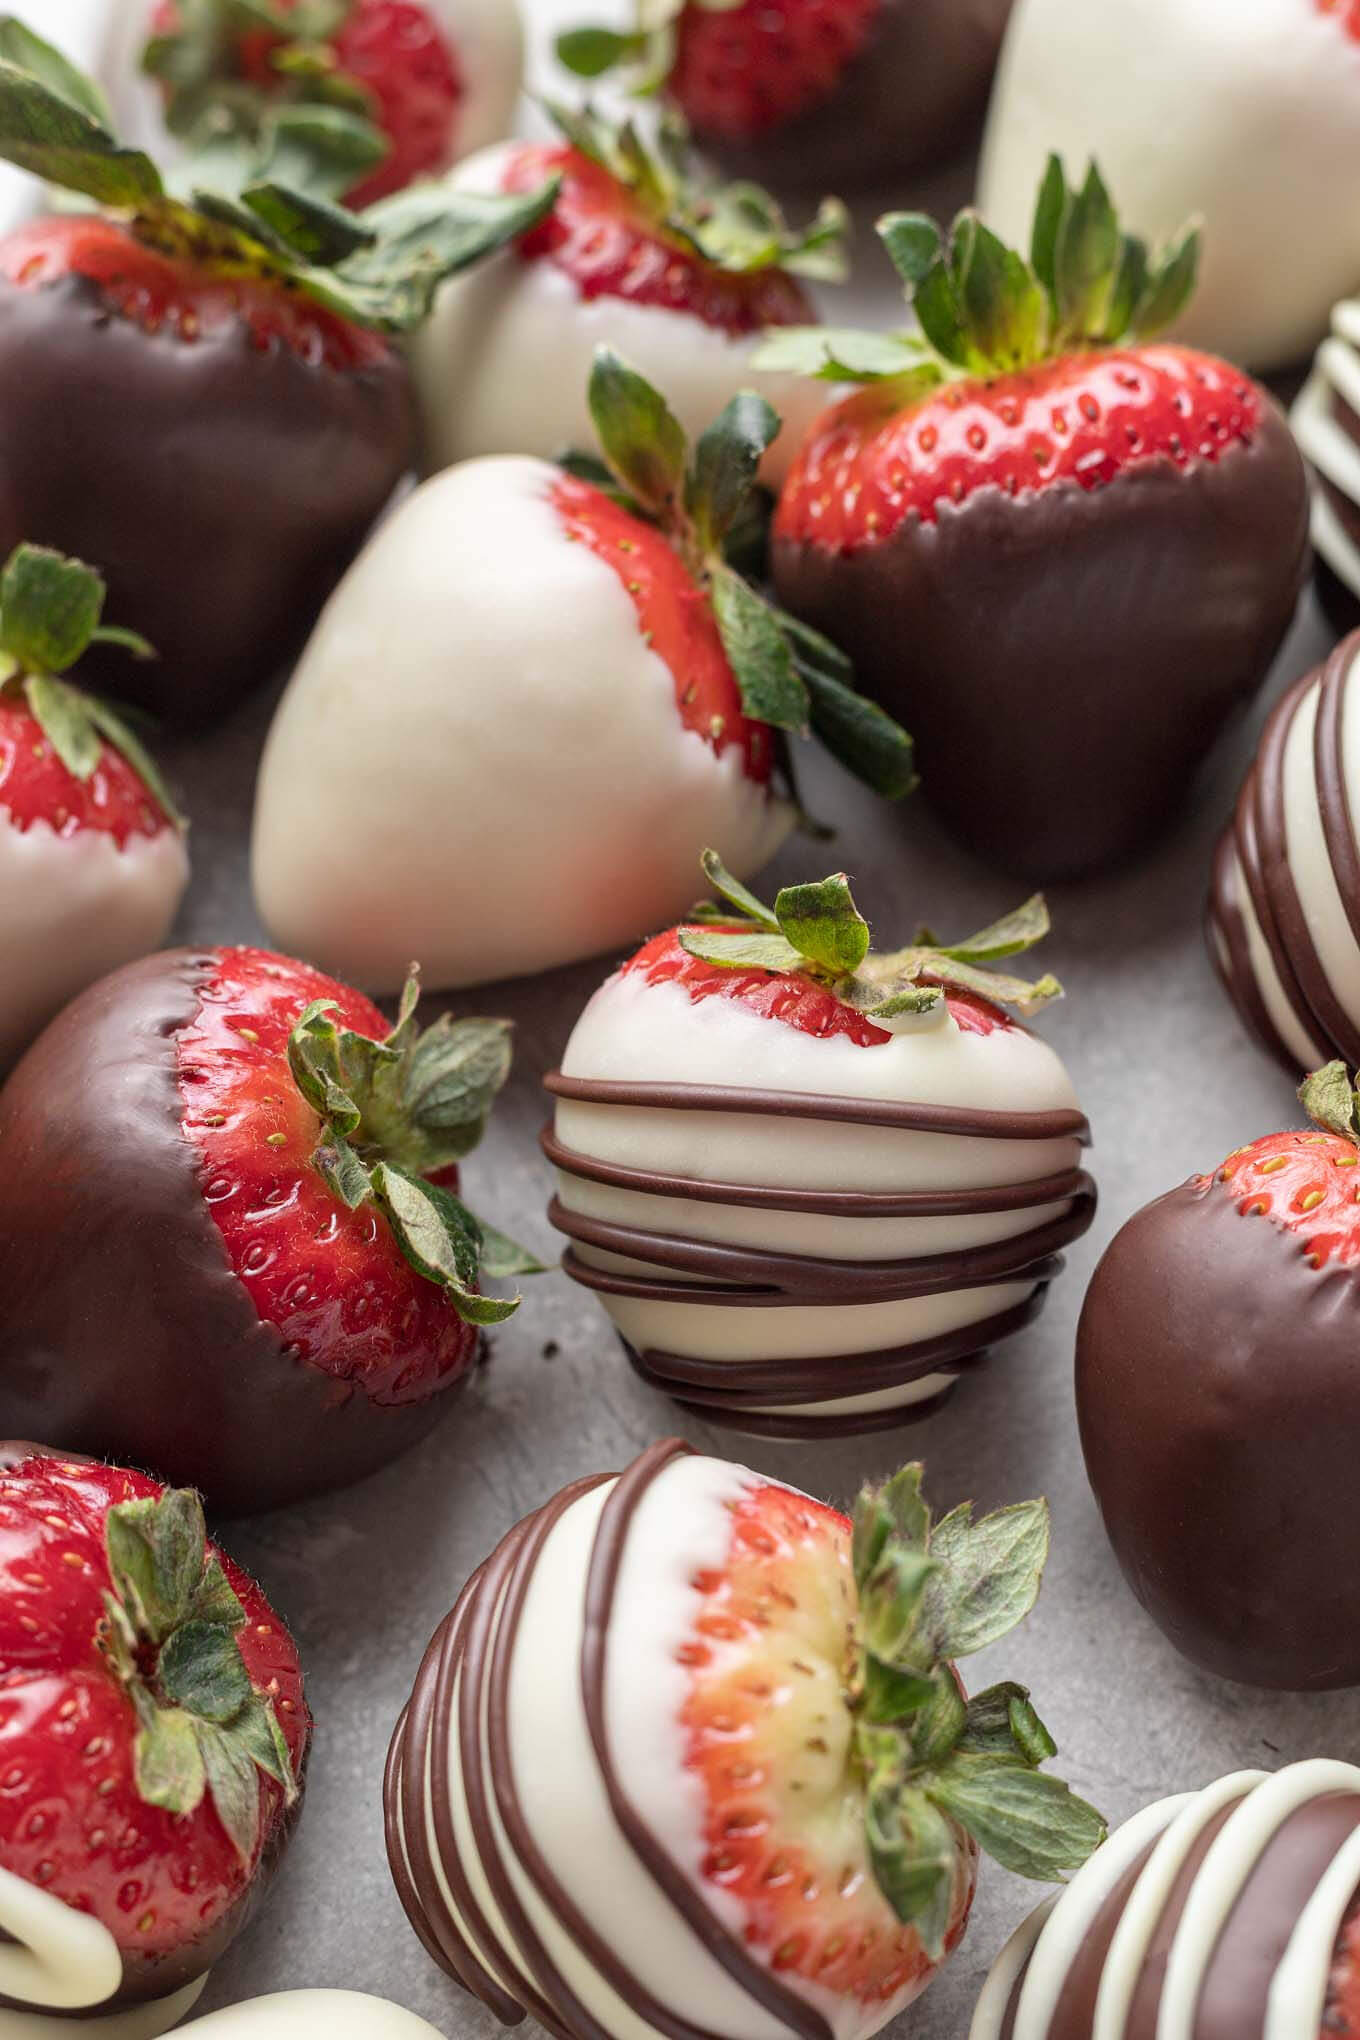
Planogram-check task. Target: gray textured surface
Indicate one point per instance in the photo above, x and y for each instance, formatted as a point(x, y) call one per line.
point(1171, 1085)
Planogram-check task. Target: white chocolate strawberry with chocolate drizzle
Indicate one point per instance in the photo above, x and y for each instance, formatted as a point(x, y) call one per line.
point(809, 1183)
point(768, 1788)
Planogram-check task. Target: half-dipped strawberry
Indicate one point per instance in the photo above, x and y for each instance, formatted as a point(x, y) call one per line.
point(811, 93)
point(434, 79)
point(768, 1788)
point(811, 1183)
point(536, 699)
point(230, 1246)
point(206, 398)
point(1064, 554)
point(1219, 1403)
point(153, 1739)
point(92, 859)
point(682, 276)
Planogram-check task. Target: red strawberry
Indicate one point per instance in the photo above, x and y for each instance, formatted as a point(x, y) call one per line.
point(223, 409)
point(1130, 520)
point(391, 59)
point(812, 92)
point(781, 1700)
point(124, 1793)
point(261, 1181)
point(1341, 2019)
point(92, 862)
point(1306, 1183)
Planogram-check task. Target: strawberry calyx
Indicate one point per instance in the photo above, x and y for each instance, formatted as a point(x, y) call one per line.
point(646, 53)
point(51, 610)
point(170, 1636)
point(931, 1760)
point(1331, 1100)
point(817, 931)
point(395, 1113)
point(984, 310)
point(705, 500)
point(268, 210)
point(738, 228)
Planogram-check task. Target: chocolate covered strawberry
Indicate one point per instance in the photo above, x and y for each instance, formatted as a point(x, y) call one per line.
point(813, 1183)
point(430, 79)
point(153, 1739)
point(92, 859)
point(207, 397)
point(536, 698)
point(1064, 553)
point(681, 275)
point(230, 1243)
point(769, 1788)
point(1219, 1407)
point(811, 92)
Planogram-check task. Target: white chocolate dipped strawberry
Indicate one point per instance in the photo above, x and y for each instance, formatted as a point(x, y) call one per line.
point(767, 1789)
point(561, 696)
point(809, 1183)
point(92, 857)
point(682, 277)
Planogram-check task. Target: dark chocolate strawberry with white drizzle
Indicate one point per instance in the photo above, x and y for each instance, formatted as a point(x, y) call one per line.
point(231, 1246)
point(1062, 551)
point(206, 395)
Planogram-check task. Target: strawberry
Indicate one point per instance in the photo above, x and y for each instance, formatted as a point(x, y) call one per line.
point(783, 1769)
point(394, 64)
point(224, 406)
point(806, 91)
point(1218, 1402)
point(1130, 518)
point(153, 1729)
point(645, 660)
point(1341, 2019)
point(92, 861)
point(280, 1168)
point(738, 1140)
point(686, 273)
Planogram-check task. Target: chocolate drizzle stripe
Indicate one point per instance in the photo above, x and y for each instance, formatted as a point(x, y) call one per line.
point(764, 1280)
point(1252, 816)
point(899, 1114)
point(1231, 957)
point(735, 1384)
point(611, 1540)
point(1334, 799)
point(819, 1203)
point(808, 1428)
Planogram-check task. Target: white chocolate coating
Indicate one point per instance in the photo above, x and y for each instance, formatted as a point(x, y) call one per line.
point(504, 364)
point(1244, 111)
point(1325, 443)
point(479, 762)
point(310, 2014)
point(680, 1525)
point(63, 1962)
point(639, 1032)
point(1252, 1810)
point(73, 908)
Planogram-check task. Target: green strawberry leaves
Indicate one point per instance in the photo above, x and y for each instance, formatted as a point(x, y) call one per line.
point(382, 270)
point(171, 1634)
point(737, 227)
point(398, 1111)
point(817, 931)
point(51, 611)
point(789, 677)
point(1331, 1101)
point(984, 309)
point(930, 1761)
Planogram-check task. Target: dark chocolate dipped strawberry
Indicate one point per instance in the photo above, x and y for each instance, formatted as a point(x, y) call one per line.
point(811, 93)
point(230, 1244)
point(430, 80)
point(1063, 554)
point(153, 1741)
point(1220, 1403)
point(92, 857)
point(769, 1791)
point(206, 396)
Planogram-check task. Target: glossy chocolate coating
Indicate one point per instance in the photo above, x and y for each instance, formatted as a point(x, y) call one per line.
point(125, 1331)
point(1219, 1401)
point(1066, 659)
point(220, 488)
point(913, 95)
